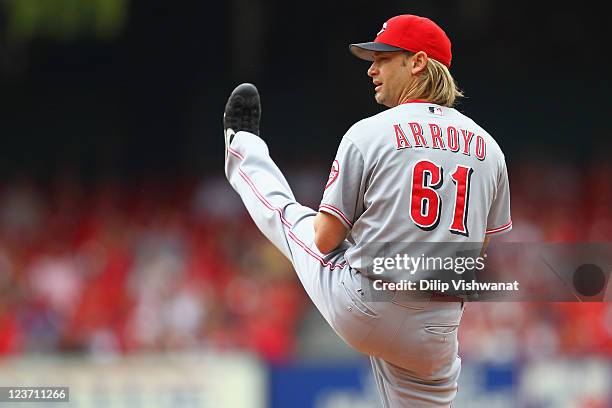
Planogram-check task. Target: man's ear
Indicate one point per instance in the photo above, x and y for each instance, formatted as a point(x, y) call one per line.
point(419, 62)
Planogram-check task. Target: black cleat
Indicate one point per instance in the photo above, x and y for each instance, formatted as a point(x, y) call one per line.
point(242, 112)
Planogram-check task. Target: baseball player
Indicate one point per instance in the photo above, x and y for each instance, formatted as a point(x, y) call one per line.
point(417, 172)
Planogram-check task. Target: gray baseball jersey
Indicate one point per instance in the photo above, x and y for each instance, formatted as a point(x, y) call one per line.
point(418, 172)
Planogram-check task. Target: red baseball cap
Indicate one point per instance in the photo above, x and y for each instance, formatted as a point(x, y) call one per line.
point(410, 33)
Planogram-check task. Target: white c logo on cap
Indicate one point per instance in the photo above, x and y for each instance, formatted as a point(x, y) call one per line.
point(384, 27)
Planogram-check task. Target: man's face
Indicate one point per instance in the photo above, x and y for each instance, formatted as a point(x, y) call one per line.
point(390, 76)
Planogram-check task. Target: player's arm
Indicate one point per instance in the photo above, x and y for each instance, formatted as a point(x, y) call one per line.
point(499, 219)
point(329, 232)
point(342, 202)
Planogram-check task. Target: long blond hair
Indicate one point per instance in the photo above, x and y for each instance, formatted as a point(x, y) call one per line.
point(435, 84)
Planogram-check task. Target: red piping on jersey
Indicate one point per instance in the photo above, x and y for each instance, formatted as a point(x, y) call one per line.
point(263, 199)
point(235, 153)
point(337, 211)
point(284, 221)
point(499, 229)
point(415, 101)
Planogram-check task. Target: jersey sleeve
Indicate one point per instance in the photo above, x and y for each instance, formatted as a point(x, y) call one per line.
point(344, 190)
point(499, 220)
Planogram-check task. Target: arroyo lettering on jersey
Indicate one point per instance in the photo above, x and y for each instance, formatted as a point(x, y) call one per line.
point(433, 136)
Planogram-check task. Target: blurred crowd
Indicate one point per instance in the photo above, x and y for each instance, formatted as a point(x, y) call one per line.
point(112, 268)
point(155, 266)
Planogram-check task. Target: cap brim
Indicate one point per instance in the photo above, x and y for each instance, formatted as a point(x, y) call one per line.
point(366, 50)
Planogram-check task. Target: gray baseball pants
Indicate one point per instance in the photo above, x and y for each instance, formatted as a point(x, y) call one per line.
point(412, 344)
